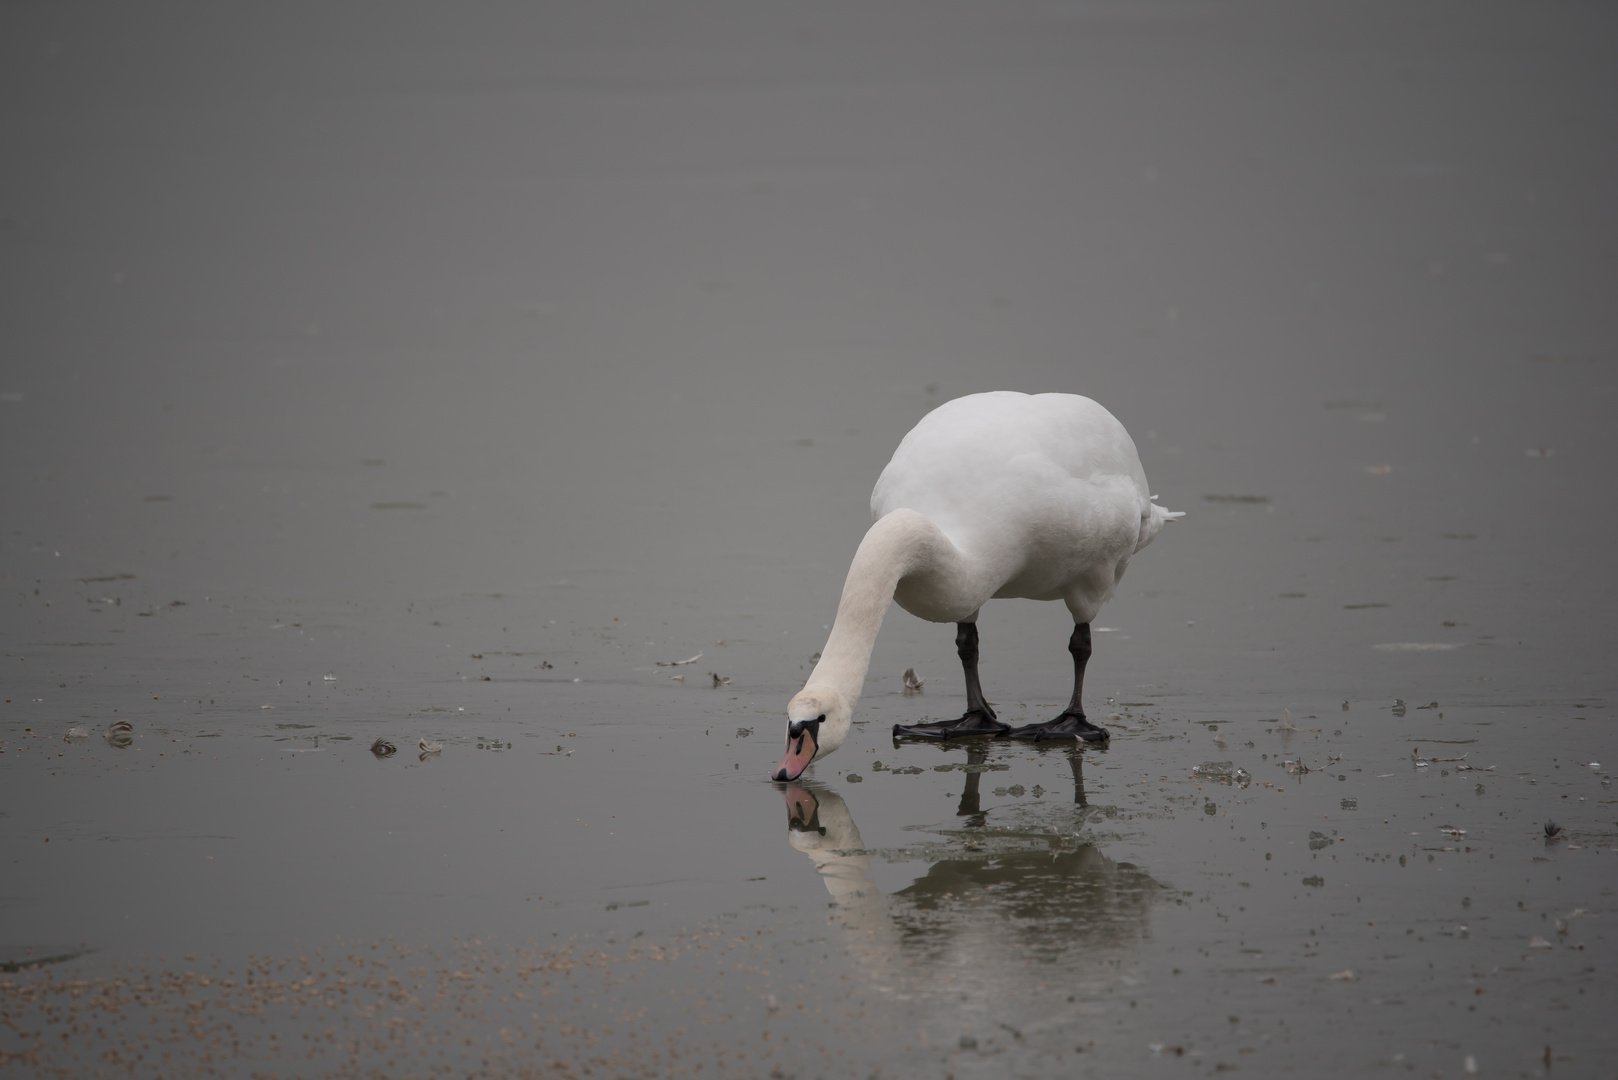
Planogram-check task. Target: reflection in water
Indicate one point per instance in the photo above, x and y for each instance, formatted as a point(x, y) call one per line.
point(120, 734)
point(1050, 902)
point(977, 756)
point(1034, 935)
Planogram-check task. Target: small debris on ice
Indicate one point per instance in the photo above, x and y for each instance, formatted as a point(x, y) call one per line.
point(679, 663)
point(913, 682)
point(1222, 772)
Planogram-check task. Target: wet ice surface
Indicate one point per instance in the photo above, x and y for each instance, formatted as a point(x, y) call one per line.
point(1001, 904)
point(447, 383)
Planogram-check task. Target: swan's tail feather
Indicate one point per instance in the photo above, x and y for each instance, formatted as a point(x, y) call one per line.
point(1153, 520)
point(1165, 515)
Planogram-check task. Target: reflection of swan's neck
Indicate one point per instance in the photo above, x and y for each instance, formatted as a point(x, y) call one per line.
point(833, 843)
point(820, 826)
point(847, 877)
point(900, 544)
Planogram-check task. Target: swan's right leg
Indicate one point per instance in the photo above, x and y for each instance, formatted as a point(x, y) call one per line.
point(1072, 723)
point(978, 719)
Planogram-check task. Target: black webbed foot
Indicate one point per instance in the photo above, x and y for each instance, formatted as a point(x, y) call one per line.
point(1067, 726)
point(975, 722)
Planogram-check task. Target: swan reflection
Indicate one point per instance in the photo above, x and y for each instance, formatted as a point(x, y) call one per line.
point(1023, 926)
point(977, 756)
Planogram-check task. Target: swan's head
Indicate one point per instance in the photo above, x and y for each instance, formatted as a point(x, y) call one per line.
point(817, 723)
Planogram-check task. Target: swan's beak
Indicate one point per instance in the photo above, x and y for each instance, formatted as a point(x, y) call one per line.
point(801, 747)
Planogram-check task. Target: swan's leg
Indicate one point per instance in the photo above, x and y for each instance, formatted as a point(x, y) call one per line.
point(1071, 724)
point(978, 719)
point(966, 647)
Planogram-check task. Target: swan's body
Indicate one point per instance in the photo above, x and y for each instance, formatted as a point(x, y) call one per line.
point(994, 495)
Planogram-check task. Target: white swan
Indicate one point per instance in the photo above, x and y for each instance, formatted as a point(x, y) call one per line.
point(993, 495)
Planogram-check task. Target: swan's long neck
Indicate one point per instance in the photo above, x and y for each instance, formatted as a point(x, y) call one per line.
point(897, 545)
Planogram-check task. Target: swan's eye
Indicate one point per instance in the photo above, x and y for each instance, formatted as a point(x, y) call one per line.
point(796, 729)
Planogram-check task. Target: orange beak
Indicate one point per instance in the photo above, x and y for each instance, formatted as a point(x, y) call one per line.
point(800, 752)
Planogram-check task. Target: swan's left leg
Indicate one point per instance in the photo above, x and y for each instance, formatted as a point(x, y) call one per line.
point(979, 718)
point(1071, 724)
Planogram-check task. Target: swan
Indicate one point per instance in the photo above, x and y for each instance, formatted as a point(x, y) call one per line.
point(1001, 494)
